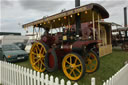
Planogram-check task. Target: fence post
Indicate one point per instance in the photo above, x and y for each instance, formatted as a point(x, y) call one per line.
point(93, 82)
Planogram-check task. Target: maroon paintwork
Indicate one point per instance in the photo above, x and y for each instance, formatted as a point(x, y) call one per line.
point(54, 41)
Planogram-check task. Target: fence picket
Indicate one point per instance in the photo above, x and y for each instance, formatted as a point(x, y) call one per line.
point(93, 81)
point(34, 77)
point(51, 81)
point(68, 83)
point(20, 77)
point(31, 82)
point(8, 73)
point(28, 80)
point(62, 82)
point(25, 76)
point(42, 79)
point(56, 81)
point(46, 79)
point(75, 84)
point(104, 83)
point(14, 76)
point(11, 81)
point(38, 78)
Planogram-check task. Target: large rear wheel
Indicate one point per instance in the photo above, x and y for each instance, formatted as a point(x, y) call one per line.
point(73, 66)
point(37, 55)
point(92, 62)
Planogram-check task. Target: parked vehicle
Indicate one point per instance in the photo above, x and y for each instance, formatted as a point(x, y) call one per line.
point(12, 53)
point(21, 45)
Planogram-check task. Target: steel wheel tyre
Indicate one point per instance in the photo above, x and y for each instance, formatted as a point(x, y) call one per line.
point(92, 62)
point(73, 66)
point(37, 54)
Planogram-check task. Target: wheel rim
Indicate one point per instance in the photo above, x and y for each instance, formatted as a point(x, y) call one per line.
point(91, 62)
point(37, 55)
point(72, 67)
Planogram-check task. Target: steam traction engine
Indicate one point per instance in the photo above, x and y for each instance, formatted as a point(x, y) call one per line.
point(74, 47)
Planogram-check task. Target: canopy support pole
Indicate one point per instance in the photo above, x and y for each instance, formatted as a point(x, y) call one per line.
point(93, 22)
point(39, 34)
point(33, 32)
point(51, 28)
point(98, 27)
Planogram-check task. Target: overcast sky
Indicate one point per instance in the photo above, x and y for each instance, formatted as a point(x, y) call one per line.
point(14, 13)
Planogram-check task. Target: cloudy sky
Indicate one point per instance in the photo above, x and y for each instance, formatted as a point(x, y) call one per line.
point(14, 13)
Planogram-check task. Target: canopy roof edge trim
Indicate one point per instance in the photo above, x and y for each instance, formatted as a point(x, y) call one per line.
point(79, 9)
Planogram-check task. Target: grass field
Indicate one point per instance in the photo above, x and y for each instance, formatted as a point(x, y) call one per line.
point(109, 65)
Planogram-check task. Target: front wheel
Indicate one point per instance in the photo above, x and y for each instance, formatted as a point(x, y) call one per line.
point(73, 66)
point(92, 62)
point(37, 56)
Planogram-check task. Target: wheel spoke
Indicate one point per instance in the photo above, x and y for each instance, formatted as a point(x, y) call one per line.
point(41, 49)
point(41, 66)
point(77, 70)
point(34, 53)
point(90, 67)
point(70, 60)
point(37, 61)
point(36, 58)
point(37, 47)
point(75, 61)
point(74, 74)
point(42, 62)
point(71, 71)
point(93, 64)
point(78, 65)
point(36, 50)
point(67, 67)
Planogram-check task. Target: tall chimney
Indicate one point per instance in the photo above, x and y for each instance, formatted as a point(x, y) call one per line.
point(78, 24)
point(125, 19)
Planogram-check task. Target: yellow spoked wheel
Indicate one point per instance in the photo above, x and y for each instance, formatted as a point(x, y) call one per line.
point(73, 66)
point(91, 62)
point(37, 55)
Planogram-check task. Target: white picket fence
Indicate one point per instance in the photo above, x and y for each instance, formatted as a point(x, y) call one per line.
point(120, 78)
point(11, 74)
